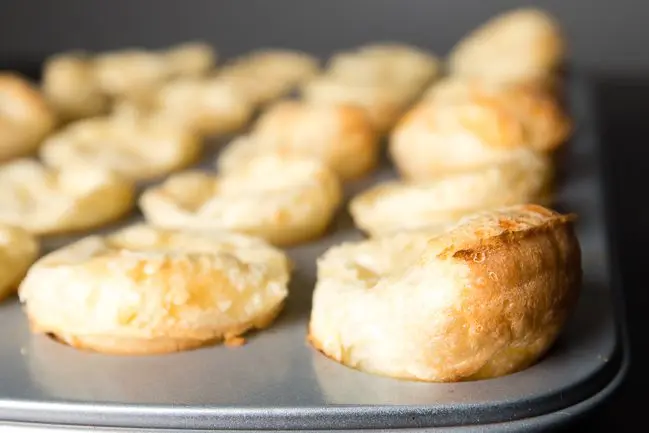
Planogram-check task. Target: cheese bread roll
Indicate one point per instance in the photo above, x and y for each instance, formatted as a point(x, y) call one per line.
point(397, 205)
point(284, 201)
point(485, 298)
point(25, 117)
point(519, 46)
point(135, 149)
point(144, 290)
point(339, 136)
point(47, 200)
point(72, 88)
point(460, 134)
point(268, 74)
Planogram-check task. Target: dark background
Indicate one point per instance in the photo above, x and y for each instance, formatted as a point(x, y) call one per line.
point(607, 39)
point(605, 35)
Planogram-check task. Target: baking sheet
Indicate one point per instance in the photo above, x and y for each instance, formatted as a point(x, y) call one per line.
point(277, 381)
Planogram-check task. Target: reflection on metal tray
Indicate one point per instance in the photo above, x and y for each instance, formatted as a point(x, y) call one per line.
point(277, 381)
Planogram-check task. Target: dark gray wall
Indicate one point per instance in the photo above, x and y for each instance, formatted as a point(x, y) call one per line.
point(605, 35)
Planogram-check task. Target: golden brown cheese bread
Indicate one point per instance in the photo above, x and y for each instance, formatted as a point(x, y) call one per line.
point(25, 116)
point(81, 85)
point(71, 86)
point(135, 148)
point(339, 136)
point(399, 66)
point(485, 298)
point(523, 45)
point(46, 200)
point(476, 128)
point(397, 205)
point(283, 200)
point(381, 78)
point(268, 74)
point(382, 104)
point(18, 250)
point(143, 290)
point(135, 73)
point(208, 106)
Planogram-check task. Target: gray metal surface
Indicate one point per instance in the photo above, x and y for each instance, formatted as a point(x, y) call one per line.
point(276, 381)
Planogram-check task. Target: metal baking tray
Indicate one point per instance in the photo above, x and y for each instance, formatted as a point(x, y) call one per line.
point(278, 382)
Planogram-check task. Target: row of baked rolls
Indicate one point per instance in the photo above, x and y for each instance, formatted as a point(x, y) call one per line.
point(80, 85)
point(483, 298)
point(178, 85)
point(223, 102)
point(382, 78)
point(281, 199)
point(144, 290)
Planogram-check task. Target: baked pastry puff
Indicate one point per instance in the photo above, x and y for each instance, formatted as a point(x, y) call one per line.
point(18, 250)
point(383, 104)
point(451, 135)
point(25, 117)
point(268, 74)
point(190, 59)
point(209, 106)
point(340, 136)
point(283, 200)
point(135, 73)
point(405, 68)
point(45, 200)
point(143, 290)
point(71, 87)
point(485, 298)
point(135, 148)
point(519, 46)
point(395, 206)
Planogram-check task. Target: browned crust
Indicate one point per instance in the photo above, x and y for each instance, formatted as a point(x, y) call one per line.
point(523, 285)
point(513, 232)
